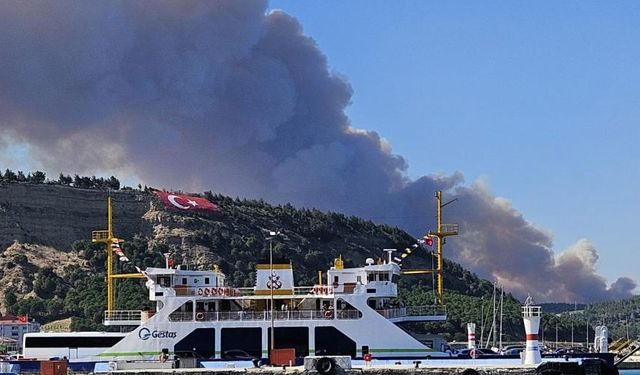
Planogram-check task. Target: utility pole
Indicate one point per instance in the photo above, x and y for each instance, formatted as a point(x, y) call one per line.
point(272, 235)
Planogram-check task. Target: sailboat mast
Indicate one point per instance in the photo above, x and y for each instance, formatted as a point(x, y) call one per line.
point(481, 321)
point(501, 304)
point(493, 323)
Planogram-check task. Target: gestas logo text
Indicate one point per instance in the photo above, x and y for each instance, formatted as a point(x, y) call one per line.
point(146, 334)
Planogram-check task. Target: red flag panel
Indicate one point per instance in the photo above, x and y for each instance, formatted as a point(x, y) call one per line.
point(181, 202)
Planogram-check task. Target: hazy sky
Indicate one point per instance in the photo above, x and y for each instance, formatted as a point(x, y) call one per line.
point(539, 99)
point(526, 111)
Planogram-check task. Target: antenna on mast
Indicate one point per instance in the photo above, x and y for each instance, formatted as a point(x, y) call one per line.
point(389, 252)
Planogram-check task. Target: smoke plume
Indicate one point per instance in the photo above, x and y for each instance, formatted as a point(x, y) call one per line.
point(223, 95)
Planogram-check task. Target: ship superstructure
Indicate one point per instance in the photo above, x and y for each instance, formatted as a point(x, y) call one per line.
point(355, 312)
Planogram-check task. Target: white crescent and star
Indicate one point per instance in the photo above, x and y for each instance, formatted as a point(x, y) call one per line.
point(174, 201)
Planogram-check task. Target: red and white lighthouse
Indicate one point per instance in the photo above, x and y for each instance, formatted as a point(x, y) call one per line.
point(531, 316)
point(471, 335)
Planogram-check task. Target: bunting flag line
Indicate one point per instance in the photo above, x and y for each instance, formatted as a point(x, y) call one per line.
point(115, 247)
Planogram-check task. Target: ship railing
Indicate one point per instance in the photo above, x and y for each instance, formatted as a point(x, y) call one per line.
point(400, 312)
point(426, 310)
point(210, 291)
point(248, 315)
point(297, 291)
point(124, 317)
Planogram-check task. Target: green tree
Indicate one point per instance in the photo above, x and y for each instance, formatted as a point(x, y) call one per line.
point(10, 298)
point(113, 183)
point(20, 177)
point(65, 180)
point(9, 176)
point(47, 284)
point(37, 177)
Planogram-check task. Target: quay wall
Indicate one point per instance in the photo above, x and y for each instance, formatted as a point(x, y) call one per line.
point(354, 371)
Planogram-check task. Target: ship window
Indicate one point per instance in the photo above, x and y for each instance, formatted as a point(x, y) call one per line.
point(371, 277)
point(206, 280)
point(384, 276)
point(184, 281)
point(72, 342)
point(164, 281)
point(336, 279)
point(359, 279)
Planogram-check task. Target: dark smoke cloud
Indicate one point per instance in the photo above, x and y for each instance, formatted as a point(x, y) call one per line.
point(221, 95)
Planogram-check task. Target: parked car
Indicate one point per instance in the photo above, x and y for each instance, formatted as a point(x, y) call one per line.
point(574, 350)
point(237, 355)
point(480, 352)
point(512, 350)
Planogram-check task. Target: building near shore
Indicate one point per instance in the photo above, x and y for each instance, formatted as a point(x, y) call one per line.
point(12, 328)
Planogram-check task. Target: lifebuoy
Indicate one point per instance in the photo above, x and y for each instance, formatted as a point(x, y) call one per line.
point(221, 291)
point(367, 357)
point(473, 353)
point(207, 291)
point(200, 292)
point(199, 316)
point(328, 314)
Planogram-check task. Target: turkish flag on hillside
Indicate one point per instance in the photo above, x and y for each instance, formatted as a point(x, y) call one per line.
point(180, 202)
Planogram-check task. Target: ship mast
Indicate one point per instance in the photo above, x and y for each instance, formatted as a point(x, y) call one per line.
point(107, 237)
point(443, 230)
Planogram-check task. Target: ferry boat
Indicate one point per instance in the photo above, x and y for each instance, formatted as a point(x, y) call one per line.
point(196, 315)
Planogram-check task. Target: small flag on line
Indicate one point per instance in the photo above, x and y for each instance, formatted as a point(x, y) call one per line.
point(115, 247)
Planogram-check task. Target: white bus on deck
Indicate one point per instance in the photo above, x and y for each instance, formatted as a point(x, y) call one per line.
point(72, 345)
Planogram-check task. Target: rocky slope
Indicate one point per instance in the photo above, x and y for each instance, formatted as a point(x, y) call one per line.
point(56, 215)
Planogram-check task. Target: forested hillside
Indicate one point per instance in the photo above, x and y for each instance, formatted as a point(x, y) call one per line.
point(55, 275)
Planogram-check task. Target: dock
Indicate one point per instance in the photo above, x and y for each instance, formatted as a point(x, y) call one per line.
point(345, 366)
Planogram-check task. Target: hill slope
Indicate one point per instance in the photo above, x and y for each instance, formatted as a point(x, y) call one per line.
point(50, 270)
